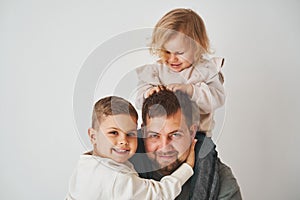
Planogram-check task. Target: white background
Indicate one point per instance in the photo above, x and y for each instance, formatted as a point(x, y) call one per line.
point(43, 45)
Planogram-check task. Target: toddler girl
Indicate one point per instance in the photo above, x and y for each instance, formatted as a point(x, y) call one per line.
point(180, 41)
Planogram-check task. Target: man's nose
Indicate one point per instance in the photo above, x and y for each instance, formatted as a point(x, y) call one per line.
point(165, 142)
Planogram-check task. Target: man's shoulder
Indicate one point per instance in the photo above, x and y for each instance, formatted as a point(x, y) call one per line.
point(205, 181)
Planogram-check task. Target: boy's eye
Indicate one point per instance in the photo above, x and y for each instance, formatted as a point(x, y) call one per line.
point(131, 134)
point(113, 133)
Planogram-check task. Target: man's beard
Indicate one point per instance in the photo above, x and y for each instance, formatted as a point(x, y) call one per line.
point(165, 167)
point(167, 170)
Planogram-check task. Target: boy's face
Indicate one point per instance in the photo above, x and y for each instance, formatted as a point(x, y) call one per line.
point(116, 137)
point(178, 53)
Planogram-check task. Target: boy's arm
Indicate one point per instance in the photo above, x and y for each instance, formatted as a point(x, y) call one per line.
point(167, 188)
point(130, 186)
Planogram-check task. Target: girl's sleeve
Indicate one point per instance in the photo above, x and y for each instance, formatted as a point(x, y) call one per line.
point(130, 186)
point(208, 91)
point(147, 78)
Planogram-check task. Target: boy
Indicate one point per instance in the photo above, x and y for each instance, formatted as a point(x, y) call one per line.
point(106, 173)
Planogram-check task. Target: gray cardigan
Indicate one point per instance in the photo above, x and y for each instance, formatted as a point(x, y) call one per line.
point(210, 174)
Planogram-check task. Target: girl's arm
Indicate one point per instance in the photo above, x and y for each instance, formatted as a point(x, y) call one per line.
point(148, 79)
point(204, 86)
point(209, 93)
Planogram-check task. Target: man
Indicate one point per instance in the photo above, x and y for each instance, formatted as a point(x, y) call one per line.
point(168, 130)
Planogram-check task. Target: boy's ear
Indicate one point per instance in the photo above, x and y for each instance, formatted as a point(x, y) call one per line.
point(92, 135)
point(193, 130)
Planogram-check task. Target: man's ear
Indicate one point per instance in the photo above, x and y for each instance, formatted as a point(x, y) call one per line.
point(92, 135)
point(193, 130)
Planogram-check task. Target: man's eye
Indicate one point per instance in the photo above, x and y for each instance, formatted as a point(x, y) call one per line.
point(176, 135)
point(179, 53)
point(153, 135)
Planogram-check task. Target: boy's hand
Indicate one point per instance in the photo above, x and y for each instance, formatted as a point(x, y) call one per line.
point(186, 88)
point(191, 157)
point(153, 90)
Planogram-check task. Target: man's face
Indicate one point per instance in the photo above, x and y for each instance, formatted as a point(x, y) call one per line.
point(168, 140)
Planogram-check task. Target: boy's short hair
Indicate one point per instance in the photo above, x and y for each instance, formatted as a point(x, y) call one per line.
point(167, 103)
point(111, 105)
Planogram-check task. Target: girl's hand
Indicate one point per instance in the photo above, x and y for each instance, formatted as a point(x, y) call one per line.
point(153, 90)
point(191, 157)
point(186, 88)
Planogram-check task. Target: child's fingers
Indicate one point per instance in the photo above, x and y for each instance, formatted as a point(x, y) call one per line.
point(161, 87)
point(154, 89)
point(191, 157)
point(193, 144)
point(175, 87)
point(192, 148)
point(150, 92)
point(171, 87)
point(158, 88)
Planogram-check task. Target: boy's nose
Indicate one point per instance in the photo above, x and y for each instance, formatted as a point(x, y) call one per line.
point(123, 140)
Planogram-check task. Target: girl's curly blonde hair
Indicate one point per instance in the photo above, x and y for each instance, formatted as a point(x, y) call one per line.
point(181, 21)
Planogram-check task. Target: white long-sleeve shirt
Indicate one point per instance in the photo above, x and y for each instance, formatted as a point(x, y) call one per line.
point(205, 78)
point(97, 178)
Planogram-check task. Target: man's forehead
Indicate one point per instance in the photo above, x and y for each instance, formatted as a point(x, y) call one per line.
point(165, 122)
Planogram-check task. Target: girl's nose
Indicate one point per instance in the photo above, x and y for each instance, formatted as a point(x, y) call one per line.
point(172, 57)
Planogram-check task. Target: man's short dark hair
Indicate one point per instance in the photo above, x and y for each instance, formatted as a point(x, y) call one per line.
point(166, 102)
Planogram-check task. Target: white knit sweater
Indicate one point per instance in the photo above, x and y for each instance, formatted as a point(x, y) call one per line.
point(206, 79)
point(97, 178)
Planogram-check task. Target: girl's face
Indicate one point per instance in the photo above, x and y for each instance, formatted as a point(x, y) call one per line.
point(178, 53)
point(116, 138)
